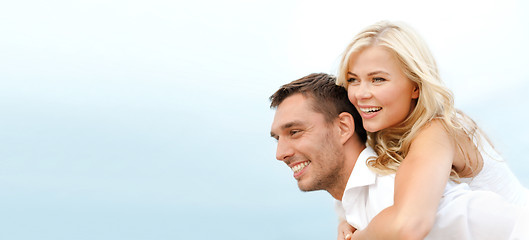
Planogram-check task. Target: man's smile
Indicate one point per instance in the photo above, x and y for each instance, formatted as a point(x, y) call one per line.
point(299, 167)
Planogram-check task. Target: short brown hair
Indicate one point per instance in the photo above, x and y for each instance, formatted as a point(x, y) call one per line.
point(329, 98)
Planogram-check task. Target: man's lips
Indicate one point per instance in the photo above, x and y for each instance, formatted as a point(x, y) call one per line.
point(298, 168)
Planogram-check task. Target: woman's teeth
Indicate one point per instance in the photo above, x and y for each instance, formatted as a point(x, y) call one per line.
point(370, 110)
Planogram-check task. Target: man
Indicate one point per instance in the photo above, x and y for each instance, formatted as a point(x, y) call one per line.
point(320, 137)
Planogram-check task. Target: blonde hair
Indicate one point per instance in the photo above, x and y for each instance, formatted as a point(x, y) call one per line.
point(435, 100)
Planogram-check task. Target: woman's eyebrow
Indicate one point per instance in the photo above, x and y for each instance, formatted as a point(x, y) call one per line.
point(377, 72)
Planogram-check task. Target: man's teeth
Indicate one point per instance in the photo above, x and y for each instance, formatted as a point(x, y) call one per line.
point(300, 166)
point(370, 110)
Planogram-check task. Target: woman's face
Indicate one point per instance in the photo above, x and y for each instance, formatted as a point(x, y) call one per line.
point(379, 89)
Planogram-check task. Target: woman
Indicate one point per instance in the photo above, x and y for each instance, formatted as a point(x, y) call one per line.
point(393, 81)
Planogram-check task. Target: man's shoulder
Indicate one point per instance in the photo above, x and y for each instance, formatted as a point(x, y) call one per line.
point(380, 182)
point(364, 177)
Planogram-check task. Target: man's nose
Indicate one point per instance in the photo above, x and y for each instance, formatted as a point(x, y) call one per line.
point(284, 150)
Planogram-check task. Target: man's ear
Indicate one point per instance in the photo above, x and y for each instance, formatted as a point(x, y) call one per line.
point(346, 126)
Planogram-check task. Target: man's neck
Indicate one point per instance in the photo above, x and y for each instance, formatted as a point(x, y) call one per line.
point(351, 154)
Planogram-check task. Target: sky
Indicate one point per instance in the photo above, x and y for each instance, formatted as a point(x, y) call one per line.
point(150, 119)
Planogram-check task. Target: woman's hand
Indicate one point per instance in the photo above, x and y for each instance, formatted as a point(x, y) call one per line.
point(345, 231)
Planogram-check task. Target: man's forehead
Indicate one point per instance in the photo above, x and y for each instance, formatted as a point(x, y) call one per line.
point(296, 109)
point(296, 101)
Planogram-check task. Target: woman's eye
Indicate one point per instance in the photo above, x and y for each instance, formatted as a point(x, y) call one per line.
point(379, 79)
point(352, 80)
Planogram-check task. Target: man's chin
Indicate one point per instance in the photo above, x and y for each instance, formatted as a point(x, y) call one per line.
point(306, 187)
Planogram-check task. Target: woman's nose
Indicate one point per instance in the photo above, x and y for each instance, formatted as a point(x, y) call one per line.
point(363, 91)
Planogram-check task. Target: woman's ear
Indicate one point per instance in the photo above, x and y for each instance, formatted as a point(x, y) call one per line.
point(346, 126)
point(416, 92)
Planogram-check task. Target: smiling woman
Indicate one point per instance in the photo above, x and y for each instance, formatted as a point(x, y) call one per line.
point(379, 89)
point(415, 129)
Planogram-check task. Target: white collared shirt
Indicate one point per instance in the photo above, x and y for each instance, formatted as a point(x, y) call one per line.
point(462, 213)
point(366, 193)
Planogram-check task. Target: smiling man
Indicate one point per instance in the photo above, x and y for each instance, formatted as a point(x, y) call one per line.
point(302, 126)
point(320, 137)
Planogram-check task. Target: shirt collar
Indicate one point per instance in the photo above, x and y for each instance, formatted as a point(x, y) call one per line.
point(361, 174)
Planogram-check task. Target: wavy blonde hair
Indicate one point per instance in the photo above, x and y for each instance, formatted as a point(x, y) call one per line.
point(435, 100)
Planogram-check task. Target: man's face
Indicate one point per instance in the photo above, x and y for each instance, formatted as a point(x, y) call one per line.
point(308, 144)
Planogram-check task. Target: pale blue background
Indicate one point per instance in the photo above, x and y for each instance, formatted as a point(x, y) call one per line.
point(150, 120)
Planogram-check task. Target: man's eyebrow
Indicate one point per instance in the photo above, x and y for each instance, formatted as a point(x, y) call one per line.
point(291, 124)
point(286, 126)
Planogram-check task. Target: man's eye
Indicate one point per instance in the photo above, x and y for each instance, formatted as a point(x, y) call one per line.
point(294, 132)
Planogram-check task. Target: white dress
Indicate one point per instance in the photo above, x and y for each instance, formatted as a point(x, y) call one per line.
point(462, 213)
point(496, 176)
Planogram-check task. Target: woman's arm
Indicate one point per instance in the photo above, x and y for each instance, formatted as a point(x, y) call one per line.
point(345, 231)
point(419, 184)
